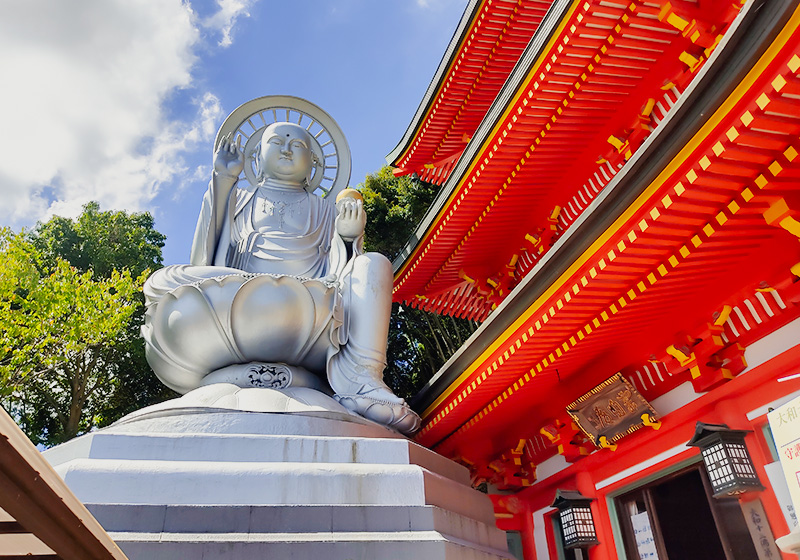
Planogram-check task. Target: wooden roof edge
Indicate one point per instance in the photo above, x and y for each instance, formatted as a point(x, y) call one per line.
point(749, 36)
point(453, 48)
point(558, 10)
point(36, 496)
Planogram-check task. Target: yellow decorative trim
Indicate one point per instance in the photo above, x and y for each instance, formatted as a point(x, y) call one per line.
point(603, 442)
point(648, 421)
point(495, 131)
point(724, 110)
point(723, 315)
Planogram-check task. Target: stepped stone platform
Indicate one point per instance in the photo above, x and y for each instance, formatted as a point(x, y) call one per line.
point(212, 475)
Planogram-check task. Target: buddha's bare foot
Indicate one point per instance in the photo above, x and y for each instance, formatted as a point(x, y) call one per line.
point(364, 392)
point(395, 415)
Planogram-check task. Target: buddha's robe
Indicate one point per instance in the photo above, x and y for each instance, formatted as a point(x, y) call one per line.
point(268, 282)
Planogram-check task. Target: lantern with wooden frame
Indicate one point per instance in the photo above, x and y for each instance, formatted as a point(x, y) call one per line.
point(727, 460)
point(575, 515)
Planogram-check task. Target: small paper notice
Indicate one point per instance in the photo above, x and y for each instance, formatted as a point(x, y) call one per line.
point(645, 543)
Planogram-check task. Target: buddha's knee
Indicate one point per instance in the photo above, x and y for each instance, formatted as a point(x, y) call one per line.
point(171, 277)
point(374, 266)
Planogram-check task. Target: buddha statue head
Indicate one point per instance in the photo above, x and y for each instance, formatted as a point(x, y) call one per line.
point(285, 154)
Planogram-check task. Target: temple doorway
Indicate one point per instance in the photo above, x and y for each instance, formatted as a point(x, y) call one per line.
point(676, 518)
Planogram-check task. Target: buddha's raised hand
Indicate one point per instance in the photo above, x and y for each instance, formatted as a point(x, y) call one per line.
point(229, 158)
point(351, 219)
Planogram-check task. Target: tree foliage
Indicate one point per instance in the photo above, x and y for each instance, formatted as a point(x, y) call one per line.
point(394, 205)
point(71, 307)
point(420, 342)
point(102, 241)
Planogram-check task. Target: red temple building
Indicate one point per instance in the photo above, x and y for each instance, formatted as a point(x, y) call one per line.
point(619, 195)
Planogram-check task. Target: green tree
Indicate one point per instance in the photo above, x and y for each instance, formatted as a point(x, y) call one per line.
point(71, 307)
point(102, 241)
point(420, 342)
point(394, 205)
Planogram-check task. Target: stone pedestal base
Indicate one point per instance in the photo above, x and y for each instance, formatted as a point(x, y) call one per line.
point(211, 476)
point(790, 543)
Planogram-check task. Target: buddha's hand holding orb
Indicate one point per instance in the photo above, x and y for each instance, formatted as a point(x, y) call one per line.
point(351, 218)
point(229, 157)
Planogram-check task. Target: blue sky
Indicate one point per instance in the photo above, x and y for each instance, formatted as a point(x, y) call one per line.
point(119, 100)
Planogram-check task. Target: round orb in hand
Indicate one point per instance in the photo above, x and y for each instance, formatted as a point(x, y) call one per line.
point(348, 193)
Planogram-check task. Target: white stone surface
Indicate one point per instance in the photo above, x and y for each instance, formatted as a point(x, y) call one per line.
point(206, 476)
point(790, 543)
point(245, 483)
point(410, 545)
point(200, 420)
point(151, 519)
point(224, 483)
point(254, 448)
point(227, 396)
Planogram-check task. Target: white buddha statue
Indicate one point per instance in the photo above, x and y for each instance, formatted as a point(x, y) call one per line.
point(278, 281)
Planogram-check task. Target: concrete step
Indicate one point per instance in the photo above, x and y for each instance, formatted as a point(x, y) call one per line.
point(132, 518)
point(401, 545)
point(219, 421)
point(208, 484)
point(235, 483)
point(255, 448)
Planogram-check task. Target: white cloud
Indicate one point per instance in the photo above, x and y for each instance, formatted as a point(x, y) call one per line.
point(225, 18)
point(131, 180)
point(83, 102)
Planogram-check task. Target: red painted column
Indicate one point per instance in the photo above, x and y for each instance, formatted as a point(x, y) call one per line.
point(528, 543)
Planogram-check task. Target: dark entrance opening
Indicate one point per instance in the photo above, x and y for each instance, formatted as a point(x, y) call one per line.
point(685, 518)
point(676, 518)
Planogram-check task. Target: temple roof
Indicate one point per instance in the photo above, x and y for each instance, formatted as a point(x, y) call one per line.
point(484, 49)
point(594, 82)
point(693, 231)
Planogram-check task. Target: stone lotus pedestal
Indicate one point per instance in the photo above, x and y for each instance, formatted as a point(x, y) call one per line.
point(225, 472)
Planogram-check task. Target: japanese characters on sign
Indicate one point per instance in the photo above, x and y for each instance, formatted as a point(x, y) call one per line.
point(760, 531)
point(784, 422)
point(645, 542)
point(612, 410)
point(786, 417)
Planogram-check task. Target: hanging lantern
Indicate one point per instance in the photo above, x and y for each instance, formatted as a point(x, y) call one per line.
point(728, 464)
point(577, 524)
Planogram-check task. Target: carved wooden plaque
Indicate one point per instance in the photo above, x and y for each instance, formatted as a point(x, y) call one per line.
point(613, 409)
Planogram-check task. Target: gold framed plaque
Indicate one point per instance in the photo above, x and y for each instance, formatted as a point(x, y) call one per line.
point(613, 409)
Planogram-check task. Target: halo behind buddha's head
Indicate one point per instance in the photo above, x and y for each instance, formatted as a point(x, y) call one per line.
point(247, 123)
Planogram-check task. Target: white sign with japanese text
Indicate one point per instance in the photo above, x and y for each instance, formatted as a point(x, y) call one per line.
point(784, 422)
point(645, 543)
